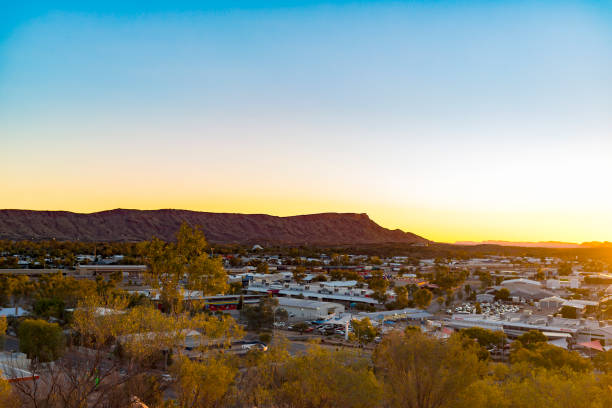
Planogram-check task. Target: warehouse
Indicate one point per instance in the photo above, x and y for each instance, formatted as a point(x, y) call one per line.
point(303, 309)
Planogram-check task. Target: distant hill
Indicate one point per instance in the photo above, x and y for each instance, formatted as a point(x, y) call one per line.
point(225, 228)
point(543, 244)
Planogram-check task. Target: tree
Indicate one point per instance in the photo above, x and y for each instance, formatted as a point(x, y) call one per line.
point(401, 296)
point(203, 384)
point(486, 279)
point(422, 372)
point(532, 337)
point(8, 397)
point(325, 379)
point(569, 312)
point(535, 388)
point(450, 296)
point(16, 287)
point(262, 268)
point(379, 285)
point(564, 269)
point(299, 274)
point(54, 288)
point(502, 294)
point(41, 340)
point(170, 263)
point(301, 327)
point(3, 327)
point(422, 298)
point(122, 344)
point(363, 330)
point(262, 315)
point(603, 361)
point(487, 339)
point(550, 357)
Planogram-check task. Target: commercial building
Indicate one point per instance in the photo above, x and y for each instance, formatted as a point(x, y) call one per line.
point(133, 272)
point(526, 289)
point(302, 309)
point(321, 291)
point(514, 325)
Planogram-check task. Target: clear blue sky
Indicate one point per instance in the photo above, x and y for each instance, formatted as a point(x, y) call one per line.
point(455, 120)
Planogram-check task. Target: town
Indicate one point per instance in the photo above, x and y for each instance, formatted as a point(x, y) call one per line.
point(160, 311)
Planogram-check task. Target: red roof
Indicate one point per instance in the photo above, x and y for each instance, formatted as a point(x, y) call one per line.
point(595, 345)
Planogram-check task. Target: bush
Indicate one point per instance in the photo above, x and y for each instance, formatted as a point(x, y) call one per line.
point(41, 340)
point(265, 338)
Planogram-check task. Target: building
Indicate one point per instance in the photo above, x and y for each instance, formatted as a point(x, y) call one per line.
point(133, 272)
point(303, 309)
point(526, 289)
point(33, 273)
point(320, 291)
point(14, 367)
point(551, 304)
point(485, 298)
point(580, 330)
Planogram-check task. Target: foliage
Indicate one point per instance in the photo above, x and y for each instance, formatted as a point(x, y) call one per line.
point(41, 340)
point(422, 298)
point(363, 330)
point(203, 384)
point(8, 397)
point(564, 269)
point(535, 389)
point(569, 312)
point(170, 263)
point(301, 327)
point(379, 285)
point(502, 294)
point(447, 278)
point(262, 268)
point(486, 338)
point(262, 315)
point(46, 308)
point(421, 372)
point(325, 379)
point(530, 339)
point(299, 274)
point(550, 357)
point(603, 361)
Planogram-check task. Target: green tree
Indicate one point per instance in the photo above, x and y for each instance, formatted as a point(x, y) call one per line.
point(188, 259)
point(262, 315)
point(531, 338)
point(41, 340)
point(422, 298)
point(379, 285)
point(503, 294)
point(262, 268)
point(550, 357)
point(569, 312)
point(363, 330)
point(299, 274)
point(301, 327)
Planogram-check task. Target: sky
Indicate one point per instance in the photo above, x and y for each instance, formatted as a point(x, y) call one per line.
point(455, 120)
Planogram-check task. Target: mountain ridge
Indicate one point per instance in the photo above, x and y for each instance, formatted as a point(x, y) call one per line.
point(223, 228)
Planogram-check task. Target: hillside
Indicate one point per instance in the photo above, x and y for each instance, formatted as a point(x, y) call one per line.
point(138, 225)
